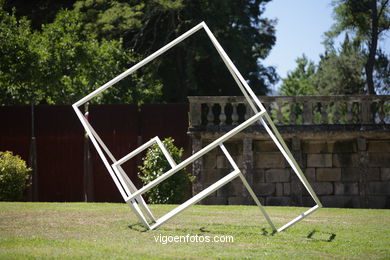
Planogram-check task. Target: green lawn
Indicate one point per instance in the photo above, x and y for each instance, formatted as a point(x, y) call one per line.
point(110, 231)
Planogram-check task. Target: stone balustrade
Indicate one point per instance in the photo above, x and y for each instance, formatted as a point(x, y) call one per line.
point(213, 111)
point(342, 144)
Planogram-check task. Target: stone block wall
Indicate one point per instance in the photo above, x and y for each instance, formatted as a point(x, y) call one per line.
point(344, 172)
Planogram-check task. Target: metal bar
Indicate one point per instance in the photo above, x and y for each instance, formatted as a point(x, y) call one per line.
point(139, 214)
point(229, 157)
point(99, 150)
point(101, 154)
point(278, 140)
point(221, 53)
point(204, 193)
point(100, 141)
point(139, 199)
point(136, 151)
point(139, 64)
point(122, 182)
point(299, 218)
point(130, 187)
point(194, 156)
point(166, 153)
point(257, 201)
point(247, 186)
point(231, 65)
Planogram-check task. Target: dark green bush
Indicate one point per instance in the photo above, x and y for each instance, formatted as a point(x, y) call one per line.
point(14, 176)
point(174, 189)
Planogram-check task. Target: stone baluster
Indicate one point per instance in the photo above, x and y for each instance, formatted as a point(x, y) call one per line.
point(349, 112)
point(210, 114)
point(279, 115)
point(365, 113)
point(381, 112)
point(293, 115)
point(195, 114)
point(222, 115)
point(307, 113)
point(324, 113)
point(336, 113)
point(248, 111)
point(270, 109)
point(315, 110)
point(235, 114)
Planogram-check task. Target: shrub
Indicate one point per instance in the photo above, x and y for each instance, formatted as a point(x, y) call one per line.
point(14, 176)
point(174, 189)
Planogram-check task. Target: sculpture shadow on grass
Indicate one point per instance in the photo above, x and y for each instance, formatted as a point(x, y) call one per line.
point(138, 227)
point(317, 235)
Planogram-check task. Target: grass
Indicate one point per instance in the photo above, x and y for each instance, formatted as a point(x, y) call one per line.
point(110, 231)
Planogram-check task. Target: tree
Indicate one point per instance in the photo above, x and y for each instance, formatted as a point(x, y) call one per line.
point(19, 61)
point(137, 28)
point(368, 20)
point(300, 81)
point(75, 64)
point(341, 72)
point(62, 63)
point(382, 73)
point(38, 12)
point(193, 67)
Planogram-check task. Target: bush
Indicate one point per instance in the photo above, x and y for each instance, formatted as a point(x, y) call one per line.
point(174, 189)
point(14, 176)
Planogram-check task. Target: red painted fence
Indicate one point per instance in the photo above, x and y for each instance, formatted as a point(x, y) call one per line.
point(67, 166)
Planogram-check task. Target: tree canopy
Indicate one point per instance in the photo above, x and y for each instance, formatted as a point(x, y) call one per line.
point(367, 21)
point(300, 81)
point(358, 66)
point(340, 72)
point(193, 67)
point(61, 63)
point(77, 50)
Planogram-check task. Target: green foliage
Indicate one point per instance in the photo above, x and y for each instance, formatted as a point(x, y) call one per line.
point(19, 61)
point(300, 81)
point(110, 19)
point(367, 21)
point(356, 16)
point(75, 64)
point(74, 52)
point(341, 73)
point(193, 67)
point(382, 73)
point(358, 66)
point(14, 175)
point(62, 63)
point(37, 11)
point(174, 189)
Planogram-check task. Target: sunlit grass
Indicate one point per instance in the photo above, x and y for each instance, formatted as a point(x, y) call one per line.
point(111, 231)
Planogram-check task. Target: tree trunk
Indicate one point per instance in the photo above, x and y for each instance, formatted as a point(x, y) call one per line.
point(369, 67)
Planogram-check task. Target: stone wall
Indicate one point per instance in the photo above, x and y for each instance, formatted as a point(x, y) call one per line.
point(342, 144)
point(351, 171)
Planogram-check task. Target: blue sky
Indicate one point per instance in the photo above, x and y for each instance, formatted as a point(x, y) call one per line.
point(300, 28)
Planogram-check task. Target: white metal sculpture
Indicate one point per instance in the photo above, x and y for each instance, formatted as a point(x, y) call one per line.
point(133, 196)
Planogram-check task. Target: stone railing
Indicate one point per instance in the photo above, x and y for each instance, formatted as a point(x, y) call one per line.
point(341, 143)
point(207, 111)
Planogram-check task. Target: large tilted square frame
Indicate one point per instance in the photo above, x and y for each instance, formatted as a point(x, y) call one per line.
point(133, 196)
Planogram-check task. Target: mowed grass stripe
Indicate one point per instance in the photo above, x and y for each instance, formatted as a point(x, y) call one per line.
point(111, 231)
